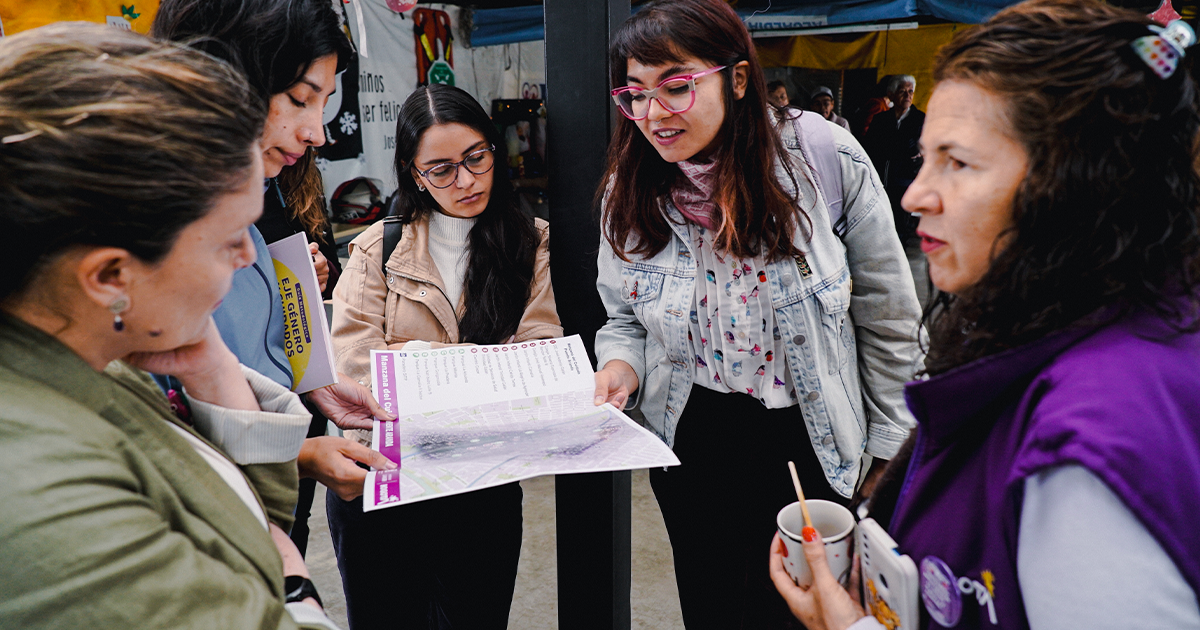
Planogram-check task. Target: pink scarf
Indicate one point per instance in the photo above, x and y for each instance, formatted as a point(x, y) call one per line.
point(693, 197)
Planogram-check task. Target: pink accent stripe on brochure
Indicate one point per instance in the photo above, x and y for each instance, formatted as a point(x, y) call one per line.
point(385, 380)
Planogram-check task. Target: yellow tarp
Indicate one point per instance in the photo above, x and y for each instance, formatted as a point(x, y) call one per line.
point(23, 15)
point(892, 52)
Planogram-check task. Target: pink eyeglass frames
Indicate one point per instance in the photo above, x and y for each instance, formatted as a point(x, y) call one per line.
point(675, 94)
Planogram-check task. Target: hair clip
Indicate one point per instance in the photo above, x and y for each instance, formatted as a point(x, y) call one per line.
point(1163, 50)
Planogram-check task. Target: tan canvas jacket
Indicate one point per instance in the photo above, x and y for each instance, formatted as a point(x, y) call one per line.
point(378, 306)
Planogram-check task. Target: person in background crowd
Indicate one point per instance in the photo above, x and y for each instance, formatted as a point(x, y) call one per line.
point(1052, 480)
point(114, 512)
point(892, 145)
point(291, 51)
point(470, 268)
point(777, 94)
point(777, 97)
point(822, 103)
point(752, 332)
point(874, 106)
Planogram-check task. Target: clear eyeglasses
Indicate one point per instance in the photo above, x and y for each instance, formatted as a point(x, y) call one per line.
point(445, 174)
point(675, 94)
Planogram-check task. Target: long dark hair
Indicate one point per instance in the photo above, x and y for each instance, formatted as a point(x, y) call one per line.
point(274, 42)
point(760, 217)
point(136, 140)
point(503, 243)
point(1107, 213)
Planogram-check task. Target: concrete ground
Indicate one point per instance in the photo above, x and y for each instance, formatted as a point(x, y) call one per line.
point(654, 598)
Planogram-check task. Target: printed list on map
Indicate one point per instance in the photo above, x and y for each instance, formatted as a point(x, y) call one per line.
point(432, 380)
point(472, 417)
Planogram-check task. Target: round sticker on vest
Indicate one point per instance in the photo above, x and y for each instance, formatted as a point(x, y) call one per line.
point(939, 591)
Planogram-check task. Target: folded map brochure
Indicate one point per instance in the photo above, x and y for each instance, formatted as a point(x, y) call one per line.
point(305, 329)
point(472, 417)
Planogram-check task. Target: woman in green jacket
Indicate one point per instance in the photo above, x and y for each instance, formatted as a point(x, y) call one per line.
point(129, 175)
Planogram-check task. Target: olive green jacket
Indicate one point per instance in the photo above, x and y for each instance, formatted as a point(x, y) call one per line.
point(108, 517)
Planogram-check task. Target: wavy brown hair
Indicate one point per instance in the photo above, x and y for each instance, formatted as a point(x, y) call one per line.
point(1106, 218)
point(758, 215)
point(304, 191)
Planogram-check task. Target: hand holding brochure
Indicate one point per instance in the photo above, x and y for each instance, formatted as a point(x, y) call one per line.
point(305, 329)
point(472, 417)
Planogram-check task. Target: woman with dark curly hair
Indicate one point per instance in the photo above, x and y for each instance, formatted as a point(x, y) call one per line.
point(1054, 478)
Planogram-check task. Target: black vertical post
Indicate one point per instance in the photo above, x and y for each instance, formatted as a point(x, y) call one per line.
point(593, 510)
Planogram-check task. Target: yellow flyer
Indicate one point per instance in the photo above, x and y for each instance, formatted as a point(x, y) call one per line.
point(305, 329)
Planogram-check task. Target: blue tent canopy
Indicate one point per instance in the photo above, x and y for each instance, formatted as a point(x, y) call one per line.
point(508, 26)
point(524, 24)
point(799, 14)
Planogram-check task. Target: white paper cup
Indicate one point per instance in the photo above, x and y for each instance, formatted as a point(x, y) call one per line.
point(835, 524)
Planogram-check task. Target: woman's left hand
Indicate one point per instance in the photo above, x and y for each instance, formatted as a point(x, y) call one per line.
point(206, 369)
point(331, 460)
point(824, 605)
point(199, 356)
point(348, 404)
point(321, 264)
point(293, 562)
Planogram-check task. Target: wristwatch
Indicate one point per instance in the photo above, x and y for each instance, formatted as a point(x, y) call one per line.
point(298, 588)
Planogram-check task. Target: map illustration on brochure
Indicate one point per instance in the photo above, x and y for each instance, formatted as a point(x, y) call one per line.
point(473, 417)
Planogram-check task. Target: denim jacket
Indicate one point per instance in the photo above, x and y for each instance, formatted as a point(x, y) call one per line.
point(851, 314)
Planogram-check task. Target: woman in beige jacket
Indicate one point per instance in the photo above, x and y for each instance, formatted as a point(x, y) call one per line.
point(469, 268)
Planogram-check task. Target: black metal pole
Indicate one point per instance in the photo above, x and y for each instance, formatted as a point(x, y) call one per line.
point(593, 510)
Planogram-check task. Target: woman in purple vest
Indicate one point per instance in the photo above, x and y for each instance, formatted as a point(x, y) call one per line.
point(1054, 478)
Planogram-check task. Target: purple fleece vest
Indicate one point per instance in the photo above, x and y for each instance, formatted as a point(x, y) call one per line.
point(1122, 401)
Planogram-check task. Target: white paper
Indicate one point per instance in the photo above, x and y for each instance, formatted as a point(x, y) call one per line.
point(462, 376)
point(473, 417)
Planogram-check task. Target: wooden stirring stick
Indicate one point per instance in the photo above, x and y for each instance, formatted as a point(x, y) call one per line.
point(800, 496)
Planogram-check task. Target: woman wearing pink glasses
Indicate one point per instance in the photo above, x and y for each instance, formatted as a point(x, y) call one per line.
point(753, 332)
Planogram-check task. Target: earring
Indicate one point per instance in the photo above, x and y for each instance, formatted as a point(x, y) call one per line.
point(421, 187)
point(117, 307)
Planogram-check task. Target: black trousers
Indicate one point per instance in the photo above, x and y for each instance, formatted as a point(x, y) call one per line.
point(720, 505)
point(308, 487)
point(437, 564)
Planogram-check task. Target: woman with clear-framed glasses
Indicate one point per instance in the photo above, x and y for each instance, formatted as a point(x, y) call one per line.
point(751, 332)
point(470, 268)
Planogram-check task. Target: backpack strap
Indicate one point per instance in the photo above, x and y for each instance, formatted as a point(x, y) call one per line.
point(393, 229)
point(816, 144)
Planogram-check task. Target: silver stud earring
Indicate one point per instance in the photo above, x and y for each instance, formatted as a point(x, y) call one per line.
point(117, 308)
